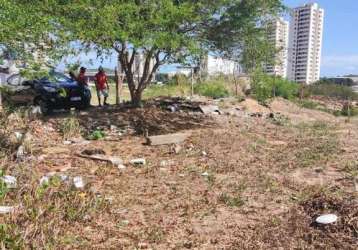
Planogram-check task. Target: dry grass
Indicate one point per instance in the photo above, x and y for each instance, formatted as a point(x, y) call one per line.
point(264, 184)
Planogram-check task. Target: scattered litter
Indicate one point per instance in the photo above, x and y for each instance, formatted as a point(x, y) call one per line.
point(20, 154)
point(44, 180)
point(172, 108)
point(113, 128)
point(67, 142)
point(18, 136)
point(205, 174)
point(204, 153)
point(114, 160)
point(210, 109)
point(121, 166)
point(327, 219)
point(36, 110)
point(167, 163)
point(63, 177)
point(139, 161)
point(78, 182)
point(10, 181)
point(6, 209)
point(167, 139)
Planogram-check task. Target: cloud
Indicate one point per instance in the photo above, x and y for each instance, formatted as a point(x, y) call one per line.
point(339, 64)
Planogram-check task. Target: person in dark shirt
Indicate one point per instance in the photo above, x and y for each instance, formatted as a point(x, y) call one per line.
point(81, 78)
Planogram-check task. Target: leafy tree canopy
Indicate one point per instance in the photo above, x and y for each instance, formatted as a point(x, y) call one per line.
point(161, 31)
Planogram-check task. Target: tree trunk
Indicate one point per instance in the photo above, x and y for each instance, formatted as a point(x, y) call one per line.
point(137, 98)
point(116, 76)
point(0, 101)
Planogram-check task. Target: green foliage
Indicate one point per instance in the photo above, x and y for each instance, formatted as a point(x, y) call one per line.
point(70, 127)
point(265, 87)
point(232, 201)
point(213, 89)
point(96, 135)
point(3, 187)
point(349, 110)
point(339, 81)
point(9, 240)
point(167, 90)
point(331, 90)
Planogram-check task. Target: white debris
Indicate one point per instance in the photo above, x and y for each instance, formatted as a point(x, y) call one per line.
point(36, 110)
point(10, 181)
point(121, 166)
point(18, 136)
point(44, 180)
point(172, 108)
point(6, 209)
point(204, 153)
point(167, 163)
point(205, 174)
point(327, 219)
point(113, 128)
point(78, 182)
point(139, 161)
point(63, 177)
point(67, 142)
point(20, 153)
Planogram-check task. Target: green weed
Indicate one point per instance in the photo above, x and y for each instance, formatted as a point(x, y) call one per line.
point(96, 135)
point(70, 127)
point(215, 89)
point(231, 201)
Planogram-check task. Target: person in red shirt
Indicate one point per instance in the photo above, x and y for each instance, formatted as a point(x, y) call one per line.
point(102, 86)
point(82, 79)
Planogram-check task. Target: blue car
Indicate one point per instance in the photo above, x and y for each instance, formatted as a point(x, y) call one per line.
point(56, 91)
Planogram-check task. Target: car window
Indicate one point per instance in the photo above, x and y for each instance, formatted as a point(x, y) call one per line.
point(57, 77)
point(15, 80)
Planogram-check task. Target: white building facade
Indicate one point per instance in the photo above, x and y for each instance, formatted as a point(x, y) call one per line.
point(305, 45)
point(215, 66)
point(278, 30)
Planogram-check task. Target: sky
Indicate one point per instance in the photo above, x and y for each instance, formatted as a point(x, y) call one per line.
point(340, 39)
point(340, 35)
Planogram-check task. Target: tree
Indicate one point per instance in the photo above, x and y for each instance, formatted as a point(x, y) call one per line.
point(159, 31)
point(240, 33)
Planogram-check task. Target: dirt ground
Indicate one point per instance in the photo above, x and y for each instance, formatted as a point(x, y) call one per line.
point(253, 177)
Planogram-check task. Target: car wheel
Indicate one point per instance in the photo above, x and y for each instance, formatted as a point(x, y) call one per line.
point(45, 108)
point(84, 105)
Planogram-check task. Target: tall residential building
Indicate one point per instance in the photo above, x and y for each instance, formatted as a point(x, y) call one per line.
point(305, 44)
point(278, 36)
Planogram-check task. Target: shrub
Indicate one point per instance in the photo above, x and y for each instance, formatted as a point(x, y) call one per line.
point(96, 135)
point(349, 110)
point(214, 89)
point(70, 127)
point(265, 87)
point(170, 90)
point(332, 90)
